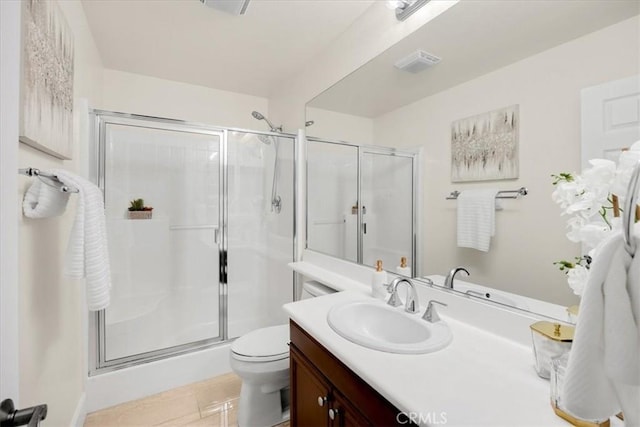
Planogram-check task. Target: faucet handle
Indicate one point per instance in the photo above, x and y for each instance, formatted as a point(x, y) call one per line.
point(431, 315)
point(394, 299)
point(392, 288)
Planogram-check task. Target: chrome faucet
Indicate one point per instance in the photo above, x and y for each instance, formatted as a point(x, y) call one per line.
point(448, 281)
point(431, 315)
point(412, 305)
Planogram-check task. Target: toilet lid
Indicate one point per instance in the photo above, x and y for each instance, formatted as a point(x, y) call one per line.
point(265, 344)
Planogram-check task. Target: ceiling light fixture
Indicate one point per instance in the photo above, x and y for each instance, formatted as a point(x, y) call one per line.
point(406, 8)
point(234, 7)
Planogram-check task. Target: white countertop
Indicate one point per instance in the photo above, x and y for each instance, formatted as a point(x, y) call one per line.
point(480, 379)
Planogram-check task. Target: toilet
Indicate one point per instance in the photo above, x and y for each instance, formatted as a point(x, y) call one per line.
point(261, 359)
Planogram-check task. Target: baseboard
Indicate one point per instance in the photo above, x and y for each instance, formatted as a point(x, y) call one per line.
point(80, 413)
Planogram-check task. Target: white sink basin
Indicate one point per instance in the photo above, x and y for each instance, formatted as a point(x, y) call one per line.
point(381, 327)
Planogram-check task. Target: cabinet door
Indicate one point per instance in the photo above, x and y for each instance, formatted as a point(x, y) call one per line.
point(345, 414)
point(310, 398)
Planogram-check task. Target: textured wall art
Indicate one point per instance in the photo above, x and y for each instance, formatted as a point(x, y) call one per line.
point(46, 116)
point(485, 147)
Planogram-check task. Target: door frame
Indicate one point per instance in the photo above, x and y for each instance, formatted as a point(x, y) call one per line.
point(9, 205)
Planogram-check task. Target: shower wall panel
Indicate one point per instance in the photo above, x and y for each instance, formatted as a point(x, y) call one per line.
point(260, 239)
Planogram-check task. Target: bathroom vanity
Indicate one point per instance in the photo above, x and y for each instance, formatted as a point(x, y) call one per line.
point(324, 391)
point(481, 378)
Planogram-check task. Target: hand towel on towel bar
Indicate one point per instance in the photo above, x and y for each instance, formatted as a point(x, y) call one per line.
point(87, 252)
point(603, 374)
point(44, 201)
point(476, 218)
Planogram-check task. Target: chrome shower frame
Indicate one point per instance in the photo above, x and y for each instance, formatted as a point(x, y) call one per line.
point(415, 194)
point(99, 119)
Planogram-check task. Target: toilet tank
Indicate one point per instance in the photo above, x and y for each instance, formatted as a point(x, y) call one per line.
point(312, 289)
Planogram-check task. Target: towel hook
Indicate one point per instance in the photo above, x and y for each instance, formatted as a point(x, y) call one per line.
point(628, 219)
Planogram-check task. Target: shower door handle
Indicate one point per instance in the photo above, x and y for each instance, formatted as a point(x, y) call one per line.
point(222, 267)
point(216, 235)
point(364, 228)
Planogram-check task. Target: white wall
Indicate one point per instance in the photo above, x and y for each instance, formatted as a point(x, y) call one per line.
point(150, 96)
point(333, 126)
point(530, 234)
point(52, 307)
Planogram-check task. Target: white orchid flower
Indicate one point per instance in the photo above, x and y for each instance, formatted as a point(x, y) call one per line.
point(586, 199)
point(577, 278)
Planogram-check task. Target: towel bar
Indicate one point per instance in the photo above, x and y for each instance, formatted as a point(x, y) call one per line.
point(505, 194)
point(48, 179)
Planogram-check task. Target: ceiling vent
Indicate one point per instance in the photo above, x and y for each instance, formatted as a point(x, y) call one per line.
point(417, 61)
point(234, 7)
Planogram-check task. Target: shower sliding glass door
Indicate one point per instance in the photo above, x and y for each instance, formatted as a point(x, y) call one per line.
point(361, 202)
point(165, 270)
point(202, 268)
point(387, 190)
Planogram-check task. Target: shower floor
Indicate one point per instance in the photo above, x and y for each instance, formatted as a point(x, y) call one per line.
point(213, 402)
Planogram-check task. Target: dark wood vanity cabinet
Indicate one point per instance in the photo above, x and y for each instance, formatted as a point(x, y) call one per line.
point(325, 392)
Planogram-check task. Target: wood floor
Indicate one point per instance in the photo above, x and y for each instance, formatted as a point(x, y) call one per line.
point(212, 402)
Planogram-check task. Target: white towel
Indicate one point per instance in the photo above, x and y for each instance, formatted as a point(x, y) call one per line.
point(476, 218)
point(87, 254)
point(44, 201)
point(603, 374)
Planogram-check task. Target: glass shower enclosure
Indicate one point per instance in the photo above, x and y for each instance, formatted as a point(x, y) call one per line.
point(361, 202)
point(210, 262)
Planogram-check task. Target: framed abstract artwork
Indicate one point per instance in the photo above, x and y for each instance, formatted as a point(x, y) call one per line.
point(485, 147)
point(46, 92)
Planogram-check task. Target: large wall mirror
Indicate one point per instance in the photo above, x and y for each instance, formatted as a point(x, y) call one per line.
point(537, 55)
point(361, 204)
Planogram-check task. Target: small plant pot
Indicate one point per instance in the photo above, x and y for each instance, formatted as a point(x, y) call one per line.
point(139, 214)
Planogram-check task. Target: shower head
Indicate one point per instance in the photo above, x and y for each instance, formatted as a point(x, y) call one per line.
point(265, 139)
point(308, 123)
point(259, 116)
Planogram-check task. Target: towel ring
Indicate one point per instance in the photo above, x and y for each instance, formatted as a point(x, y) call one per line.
point(630, 203)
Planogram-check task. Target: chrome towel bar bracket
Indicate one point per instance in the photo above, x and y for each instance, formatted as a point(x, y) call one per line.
point(48, 179)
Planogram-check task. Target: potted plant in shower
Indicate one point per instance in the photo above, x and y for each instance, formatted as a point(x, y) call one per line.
point(137, 210)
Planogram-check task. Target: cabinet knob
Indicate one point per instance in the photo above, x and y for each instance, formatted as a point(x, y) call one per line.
point(333, 413)
point(322, 400)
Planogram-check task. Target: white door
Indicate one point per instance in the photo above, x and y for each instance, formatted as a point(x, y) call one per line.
point(610, 118)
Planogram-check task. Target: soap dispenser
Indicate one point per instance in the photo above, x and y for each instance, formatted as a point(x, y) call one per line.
point(378, 281)
point(403, 269)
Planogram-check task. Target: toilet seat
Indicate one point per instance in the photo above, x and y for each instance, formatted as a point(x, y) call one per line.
point(262, 345)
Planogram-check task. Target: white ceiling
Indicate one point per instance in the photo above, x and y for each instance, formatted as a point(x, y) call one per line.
point(473, 38)
point(186, 41)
